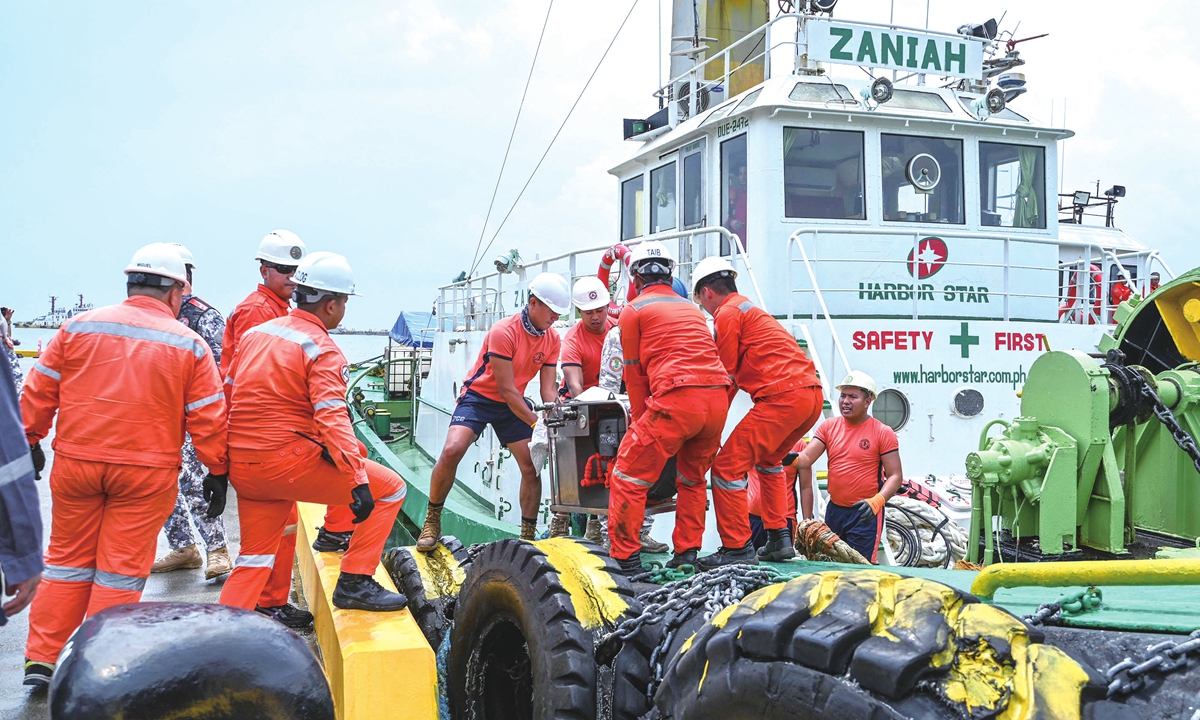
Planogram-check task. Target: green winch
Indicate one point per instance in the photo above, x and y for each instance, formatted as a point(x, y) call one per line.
point(1101, 450)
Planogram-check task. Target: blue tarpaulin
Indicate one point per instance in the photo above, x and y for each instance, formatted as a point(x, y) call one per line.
point(409, 326)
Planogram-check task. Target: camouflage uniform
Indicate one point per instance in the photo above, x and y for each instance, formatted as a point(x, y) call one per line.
point(208, 324)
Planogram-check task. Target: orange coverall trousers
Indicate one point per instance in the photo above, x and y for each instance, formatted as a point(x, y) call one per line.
point(685, 423)
point(104, 530)
point(267, 492)
point(762, 438)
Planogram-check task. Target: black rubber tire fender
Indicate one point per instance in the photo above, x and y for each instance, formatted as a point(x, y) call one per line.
point(912, 647)
point(431, 582)
point(632, 668)
point(525, 626)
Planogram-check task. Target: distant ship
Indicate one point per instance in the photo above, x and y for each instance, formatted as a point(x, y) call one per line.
point(57, 315)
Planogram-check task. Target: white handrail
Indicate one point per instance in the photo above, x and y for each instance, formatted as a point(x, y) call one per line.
point(837, 342)
point(468, 290)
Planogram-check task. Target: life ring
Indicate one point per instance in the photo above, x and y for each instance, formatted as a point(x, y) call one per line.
point(610, 257)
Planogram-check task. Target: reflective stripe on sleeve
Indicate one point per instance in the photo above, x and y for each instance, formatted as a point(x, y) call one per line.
point(337, 402)
point(203, 401)
point(746, 306)
point(289, 529)
point(117, 581)
point(640, 483)
point(68, 574)
point(52, 374)
point(307, 344)
point(396, 496)
point(255, 561)
point(730, 485)
point(135, 332)
point(16, 469)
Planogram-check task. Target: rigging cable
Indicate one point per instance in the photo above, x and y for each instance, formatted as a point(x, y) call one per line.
point(556, 134)
point(504, 162)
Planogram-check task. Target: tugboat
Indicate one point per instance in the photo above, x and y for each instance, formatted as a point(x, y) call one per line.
point(57, 316)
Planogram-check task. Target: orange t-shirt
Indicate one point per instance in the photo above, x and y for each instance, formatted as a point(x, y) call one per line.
point(855, 455)
point(582, 348)
point(753, 497)
point(508, 340)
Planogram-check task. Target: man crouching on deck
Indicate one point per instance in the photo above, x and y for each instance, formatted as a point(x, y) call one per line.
point(290, 441)
point(514, 350)
point(864, 466)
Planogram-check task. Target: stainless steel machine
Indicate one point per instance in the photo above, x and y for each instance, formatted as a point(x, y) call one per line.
point(590, 431)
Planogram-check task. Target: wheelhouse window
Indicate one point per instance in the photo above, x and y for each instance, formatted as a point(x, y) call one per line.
point(1012, 185)
point(693, 187)
point(823, 174)
point(631, 208)
point(733, 190)
point(922, 179)
point(662, 198)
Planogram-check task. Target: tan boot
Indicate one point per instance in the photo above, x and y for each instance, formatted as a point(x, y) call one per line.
point(560, 525)
point(593, 530)
point(187, 558)
point(218, 564)
point(528, 530)
point(431, 531)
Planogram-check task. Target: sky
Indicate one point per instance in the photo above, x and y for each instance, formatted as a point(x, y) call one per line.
point(377, 129)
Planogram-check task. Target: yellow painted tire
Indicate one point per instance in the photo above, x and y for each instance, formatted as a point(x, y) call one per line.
point(911, 647)
point(525, 625)
point(431, 582)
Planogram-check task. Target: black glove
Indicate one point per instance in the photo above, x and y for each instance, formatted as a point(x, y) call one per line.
point(864, 510)
point(789, 459)
point(39, 459)
point(363, 503)
point(215, 489)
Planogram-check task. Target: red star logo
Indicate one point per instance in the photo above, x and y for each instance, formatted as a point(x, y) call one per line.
point(931, 257)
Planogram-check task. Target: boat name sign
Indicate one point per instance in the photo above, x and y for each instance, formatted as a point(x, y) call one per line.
point(732, 126)
point(893, 49)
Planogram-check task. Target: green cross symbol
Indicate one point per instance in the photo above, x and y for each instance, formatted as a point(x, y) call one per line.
point(964, 340)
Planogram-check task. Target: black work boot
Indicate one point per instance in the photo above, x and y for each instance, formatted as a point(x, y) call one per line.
point(331, 541)
point(687, 557)
point(37, 673)
point(778, 547)
point(361, 592)
point(287, 615)
point(631, 565)
point(728, 556)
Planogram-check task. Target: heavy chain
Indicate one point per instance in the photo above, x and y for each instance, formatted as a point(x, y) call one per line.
point(1072, 604)
point(674, 603)
point(1129, 676)
point(1185, 441)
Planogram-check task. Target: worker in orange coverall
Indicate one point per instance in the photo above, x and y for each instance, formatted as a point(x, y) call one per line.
point(290, 440)
point(763, 359)
point(127, 381)
point(678, 401)
point(278, 253)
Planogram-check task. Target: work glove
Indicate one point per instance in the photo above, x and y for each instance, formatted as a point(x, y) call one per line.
point(215, 489)
point(869, 508)
point(39, 459)
point(363, 503)
point(789, 459)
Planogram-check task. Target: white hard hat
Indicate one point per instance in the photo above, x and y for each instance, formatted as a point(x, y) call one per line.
point(710, 266)
point(282, 247)
point(649, 252)
point(184, 253)
point(552, 289)
point(590, 293)
point(154, 262)
point(323, 273)
point(858, 379)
